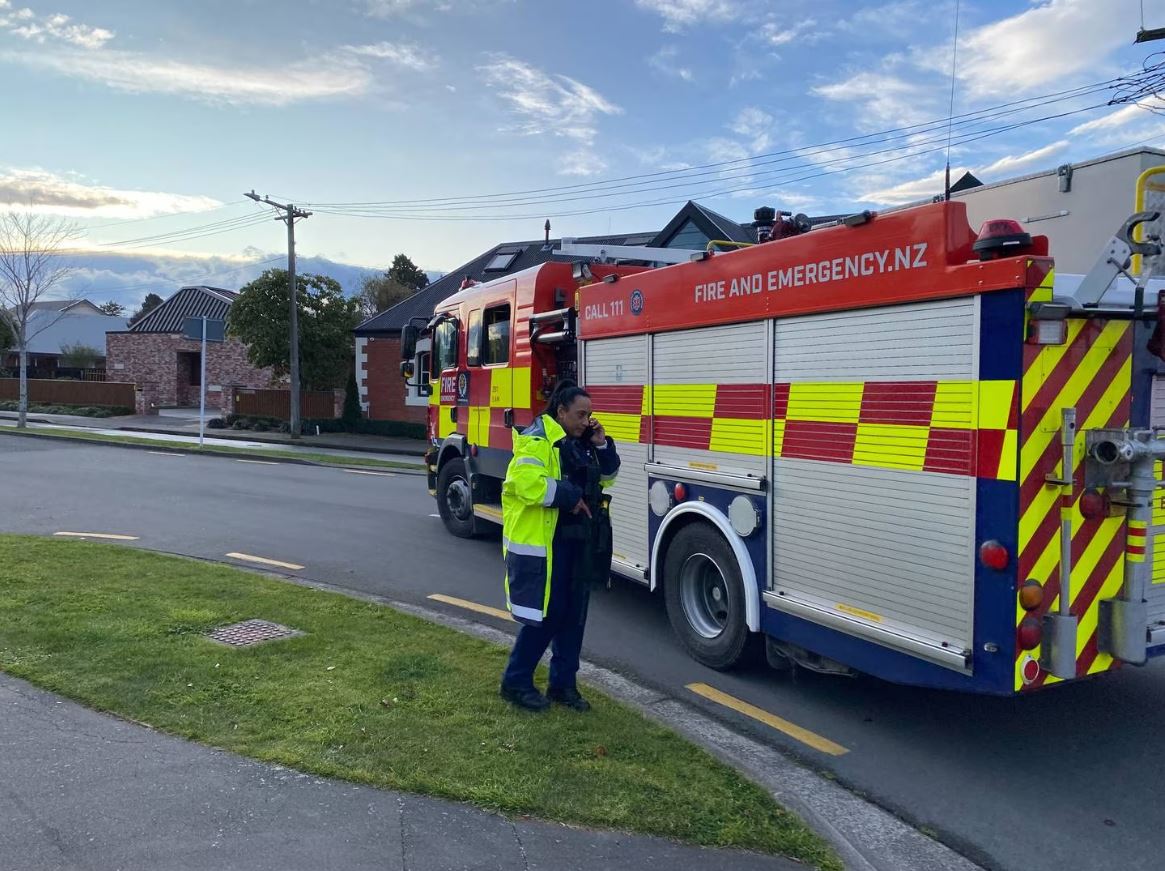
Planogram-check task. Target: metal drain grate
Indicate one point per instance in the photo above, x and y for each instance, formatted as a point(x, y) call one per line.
point(251, 632)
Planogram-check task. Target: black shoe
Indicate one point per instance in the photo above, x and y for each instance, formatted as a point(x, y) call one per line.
point(569, 698)
point(527, 698)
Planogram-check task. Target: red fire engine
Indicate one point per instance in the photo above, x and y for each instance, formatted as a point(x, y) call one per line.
point(889, 445)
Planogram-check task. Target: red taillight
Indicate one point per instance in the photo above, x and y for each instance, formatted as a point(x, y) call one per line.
point(1094, 504)
point(1001, 237)
point(994, 555)
point(1031, 633)
point(680, 493)
point(1031, 669)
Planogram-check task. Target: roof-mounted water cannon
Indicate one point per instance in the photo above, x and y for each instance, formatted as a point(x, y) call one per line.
point(771, 224)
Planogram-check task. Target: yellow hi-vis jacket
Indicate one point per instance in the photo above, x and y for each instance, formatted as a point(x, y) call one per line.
point(532, 495)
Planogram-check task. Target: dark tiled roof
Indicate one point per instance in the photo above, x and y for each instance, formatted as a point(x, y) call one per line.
point(422, 303)
point(189, 302)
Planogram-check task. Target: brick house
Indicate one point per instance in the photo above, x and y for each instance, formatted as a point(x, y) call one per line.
point(383, 394)
point(167, 368)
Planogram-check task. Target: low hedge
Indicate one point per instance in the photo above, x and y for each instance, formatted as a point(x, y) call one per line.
point(77, 410)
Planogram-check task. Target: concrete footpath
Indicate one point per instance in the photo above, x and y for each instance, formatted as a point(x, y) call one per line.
point(84, 791)
point(179, 422)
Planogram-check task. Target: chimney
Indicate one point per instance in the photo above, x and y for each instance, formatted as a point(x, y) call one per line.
point(547, 228)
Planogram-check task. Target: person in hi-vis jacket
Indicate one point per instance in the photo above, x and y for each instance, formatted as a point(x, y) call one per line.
point(556, 541)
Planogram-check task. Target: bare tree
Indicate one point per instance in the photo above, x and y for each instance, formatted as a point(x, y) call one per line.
point(31, 265)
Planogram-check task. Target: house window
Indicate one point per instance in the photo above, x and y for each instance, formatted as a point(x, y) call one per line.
point(473, 343)
point(496, 350)
point(502, 260)
point(444, 347)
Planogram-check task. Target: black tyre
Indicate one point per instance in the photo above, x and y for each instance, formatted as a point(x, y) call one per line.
point(455, 499)
point(705, 598)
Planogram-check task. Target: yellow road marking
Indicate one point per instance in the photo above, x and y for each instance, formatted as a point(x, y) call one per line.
point(108, 535)
point(377, 474)
point(258, 462)
point(817, 742)
point(471, 606)
point(263, 560)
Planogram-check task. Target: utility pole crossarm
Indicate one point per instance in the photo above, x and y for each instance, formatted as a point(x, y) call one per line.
point(288, 216)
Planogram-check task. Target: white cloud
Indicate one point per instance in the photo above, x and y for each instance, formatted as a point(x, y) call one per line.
point(544, 103)
point(887, 100)
point(777, 35)
point(582, 162)
point(40, 191)
point(1046, 44)
point(272, 85)
point(55, 27)
point(913, 190)
point(1130, 114)
point(551, 104)
point(752, 122)
point(678, 14)
point(664, 61)
point(1008, 166)
point(412, 8)
point(929, 185)
point(402, 54)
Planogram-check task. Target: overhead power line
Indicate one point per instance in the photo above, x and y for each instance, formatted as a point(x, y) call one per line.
point(737, 166)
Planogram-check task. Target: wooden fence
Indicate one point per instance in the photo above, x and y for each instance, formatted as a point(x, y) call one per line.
point(313, 404)
point(111, 394)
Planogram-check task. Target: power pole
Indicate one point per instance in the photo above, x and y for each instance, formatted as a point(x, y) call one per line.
point(290, 213)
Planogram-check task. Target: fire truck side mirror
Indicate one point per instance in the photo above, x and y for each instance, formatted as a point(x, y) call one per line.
point(408, 342)
point(407, 370)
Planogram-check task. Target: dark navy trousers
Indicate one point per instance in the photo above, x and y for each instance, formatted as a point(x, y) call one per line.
point(561, 630)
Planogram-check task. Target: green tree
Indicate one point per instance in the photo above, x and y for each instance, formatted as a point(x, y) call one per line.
point(116, 309)
point(380, 292)
point(80, 356)
point(151, 302)
point(260, 319)
point(405, 272)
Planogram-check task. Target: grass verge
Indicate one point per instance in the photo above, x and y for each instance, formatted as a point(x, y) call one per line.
point(368, 694)
point(226, 450)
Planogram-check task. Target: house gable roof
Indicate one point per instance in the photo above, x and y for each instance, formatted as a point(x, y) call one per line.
point(73, 306)
point(711, 224)
point(189, 302)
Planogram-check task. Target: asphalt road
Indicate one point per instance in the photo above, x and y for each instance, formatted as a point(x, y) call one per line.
point(1066, 779)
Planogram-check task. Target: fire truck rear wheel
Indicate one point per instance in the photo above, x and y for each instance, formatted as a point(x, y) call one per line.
point(705, 598)
point(454, 499)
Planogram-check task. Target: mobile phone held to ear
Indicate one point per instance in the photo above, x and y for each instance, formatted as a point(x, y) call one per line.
point(588, 433)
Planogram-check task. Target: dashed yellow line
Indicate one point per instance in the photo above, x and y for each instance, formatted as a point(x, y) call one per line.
point(812, 739)
point(106, 535)
point(262, 560)
point(471, 606)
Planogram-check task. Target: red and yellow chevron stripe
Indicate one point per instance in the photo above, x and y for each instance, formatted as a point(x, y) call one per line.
point(955, 427)
point(1091, 372)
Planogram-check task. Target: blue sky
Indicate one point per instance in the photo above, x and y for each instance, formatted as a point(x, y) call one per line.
point(142, 119)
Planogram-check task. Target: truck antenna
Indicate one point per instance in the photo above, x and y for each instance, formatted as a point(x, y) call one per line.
point(951, 109)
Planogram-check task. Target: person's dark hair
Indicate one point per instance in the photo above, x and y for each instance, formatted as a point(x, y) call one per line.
point(564, 395)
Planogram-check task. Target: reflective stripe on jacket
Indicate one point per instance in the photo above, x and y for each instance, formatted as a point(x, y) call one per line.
point(532, 495)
